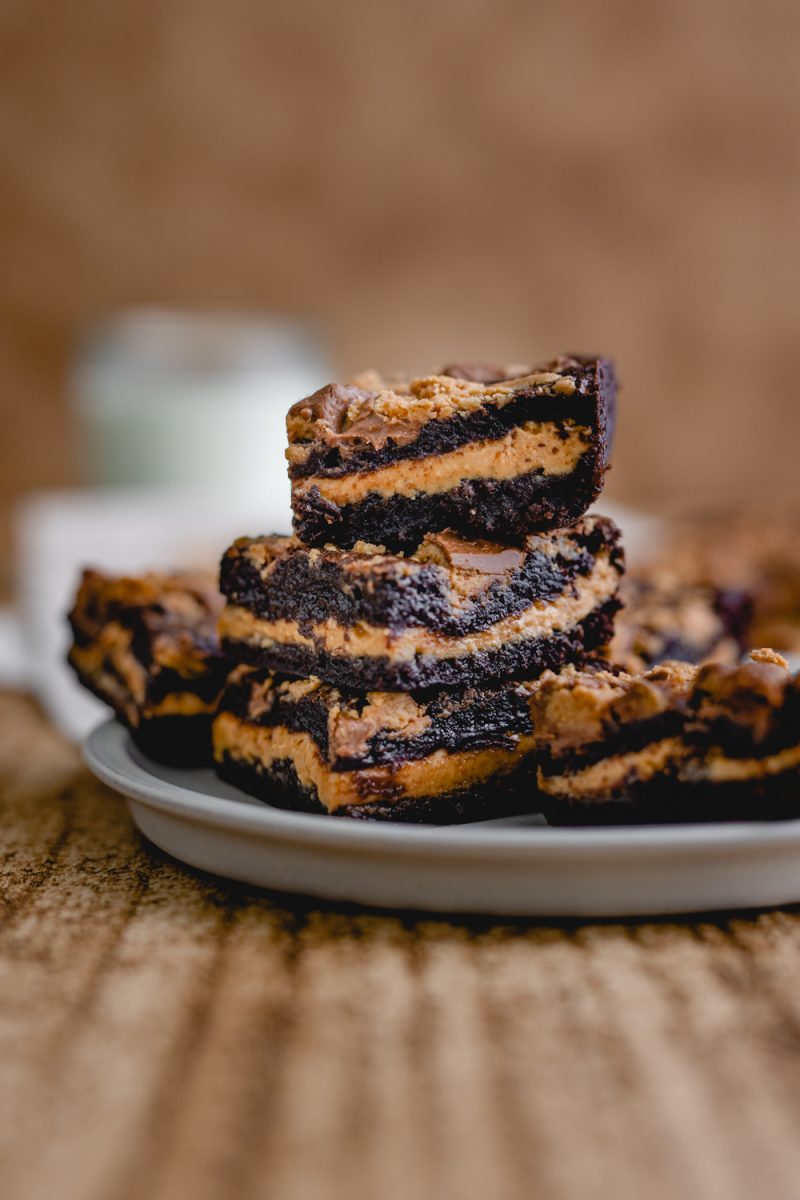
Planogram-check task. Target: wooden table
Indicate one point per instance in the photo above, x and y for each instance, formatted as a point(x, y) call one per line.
point(164, 1035)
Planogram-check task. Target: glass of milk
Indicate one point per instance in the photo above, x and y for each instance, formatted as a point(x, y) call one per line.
point(192, 401)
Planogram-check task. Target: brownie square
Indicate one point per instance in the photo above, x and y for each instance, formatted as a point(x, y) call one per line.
point(453, 613)
point(664, 618)
point(437, 757)
point(485, 451)
point(679, 743)
point(148, 647)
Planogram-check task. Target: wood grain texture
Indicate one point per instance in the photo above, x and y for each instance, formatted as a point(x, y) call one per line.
point(164, 1035)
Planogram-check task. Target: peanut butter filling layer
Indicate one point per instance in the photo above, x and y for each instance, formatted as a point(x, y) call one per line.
point(362, 640)
point(617, 772)
point(536, 446)
point(718, 768)
point(614, 774)
point(435, 775)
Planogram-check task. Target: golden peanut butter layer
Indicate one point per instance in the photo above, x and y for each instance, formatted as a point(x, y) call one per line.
point(718, 768)
point(610, 775)
point(111, 664)
point(544, 447)
point(107, 683)
point(684, 763)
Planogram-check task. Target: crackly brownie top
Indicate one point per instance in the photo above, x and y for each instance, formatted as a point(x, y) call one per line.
point(446, 549)
point(352, 721)
point(584, 705)
point(746, 708)
point(445, 567)
point(751, 703)
point(176, 613)
point(372, 410)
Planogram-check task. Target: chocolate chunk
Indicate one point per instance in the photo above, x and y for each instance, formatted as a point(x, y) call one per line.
point(326, 410)
point(483, 372)
point(488, 558)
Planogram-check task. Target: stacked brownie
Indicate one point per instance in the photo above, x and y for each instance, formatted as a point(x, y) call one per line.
point(437, 640)
point(442, 561)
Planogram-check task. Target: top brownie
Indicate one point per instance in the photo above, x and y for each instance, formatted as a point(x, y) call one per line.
point(485, 451)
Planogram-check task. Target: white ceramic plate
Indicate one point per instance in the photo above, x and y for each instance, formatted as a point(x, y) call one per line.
point(504, 867)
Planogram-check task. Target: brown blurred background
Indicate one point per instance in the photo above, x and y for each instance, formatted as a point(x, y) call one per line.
point(457, 178)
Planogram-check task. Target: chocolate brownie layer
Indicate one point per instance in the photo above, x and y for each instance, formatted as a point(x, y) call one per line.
point(439, 757)
point(680, 743)
point(452, 613)
point(179, 741)
point(663, 618)
point(489, 452)
point(149, 648)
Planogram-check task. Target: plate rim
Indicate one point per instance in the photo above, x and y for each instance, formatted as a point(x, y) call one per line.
point(111, 741)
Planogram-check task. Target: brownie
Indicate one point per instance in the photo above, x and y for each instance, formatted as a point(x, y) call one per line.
point(452, 613)
point(663, 618)
point(148, 647)
point(437, 757)
point(753, 552)
point(485, 451)
point(679, 743)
